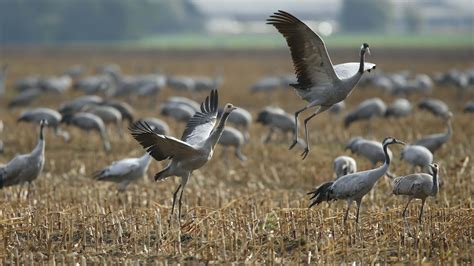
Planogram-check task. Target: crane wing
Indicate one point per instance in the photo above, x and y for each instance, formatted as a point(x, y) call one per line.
point(311, 60)
point(161, 147)
point(199, 127)
point(347, 70)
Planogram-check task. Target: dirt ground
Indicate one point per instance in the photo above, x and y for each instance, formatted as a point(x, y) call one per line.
point(246, 212)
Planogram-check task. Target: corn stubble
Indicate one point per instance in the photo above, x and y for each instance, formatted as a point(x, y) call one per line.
point(250, 212)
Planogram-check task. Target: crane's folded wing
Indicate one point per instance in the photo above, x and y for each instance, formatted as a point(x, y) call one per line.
point(161, 147)
point(311, 60)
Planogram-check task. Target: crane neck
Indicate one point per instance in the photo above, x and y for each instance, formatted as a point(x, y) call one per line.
point(39, 149)
point(362, 60)
point(217, 132)
point(377, 173)
point(435, 188)
point(145, 159)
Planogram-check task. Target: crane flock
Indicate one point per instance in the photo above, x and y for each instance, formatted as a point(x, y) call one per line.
point(321, 84)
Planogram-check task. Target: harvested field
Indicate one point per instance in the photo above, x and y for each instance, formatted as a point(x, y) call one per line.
point(245, 212)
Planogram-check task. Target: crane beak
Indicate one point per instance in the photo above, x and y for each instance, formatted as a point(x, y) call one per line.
point(400, 142)
point(367, 50)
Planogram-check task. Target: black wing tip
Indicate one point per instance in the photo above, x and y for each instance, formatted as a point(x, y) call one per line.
point(140, 127)
point(210, 104)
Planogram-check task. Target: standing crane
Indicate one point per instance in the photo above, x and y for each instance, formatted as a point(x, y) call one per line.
point(353, 187)
point(25, 167)
point(417, 186)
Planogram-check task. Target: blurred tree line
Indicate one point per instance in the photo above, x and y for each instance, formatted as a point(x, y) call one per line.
point(46, 21)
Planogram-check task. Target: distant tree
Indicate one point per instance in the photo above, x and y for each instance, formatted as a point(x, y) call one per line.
point(413, 19)
point(365, 15)
point(40, 21)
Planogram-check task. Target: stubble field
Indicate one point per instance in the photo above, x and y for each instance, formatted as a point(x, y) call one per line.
point(246, 212)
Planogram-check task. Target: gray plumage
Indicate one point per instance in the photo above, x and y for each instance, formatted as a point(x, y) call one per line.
point(181, 83)
point(185, 101)
point(344, 165)
point(399, 108)
point(108, 114)
point(208, 83)
point(194, 149)
point(25, 167)
point(370, 149)
point(159, 126)
point(266, 84)
point(94, 84)
point(25, 97)
point(51, 116)
point(127, 111)
point(124, 171)
point(178, 111)
point(337, 108)
point(241, 119)
point(435, 141)
point(276, 118)
point(469, 107)
point(417, 155)
point(435, 106)
point(73, 106)
point(75, 71)
point(366, 110)
point(58, 85)
point(417, 186)
point(27, 83)
point(108, 68)
point(319, 82)
point(353, 187)
point(232, 137)
point(88, 122)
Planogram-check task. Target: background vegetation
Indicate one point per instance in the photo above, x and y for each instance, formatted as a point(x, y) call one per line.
point(53, 21)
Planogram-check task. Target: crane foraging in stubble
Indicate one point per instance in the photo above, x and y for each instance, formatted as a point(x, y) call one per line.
point(417, 186)
point(320, 83)
point(194, 149)
point(353, 186)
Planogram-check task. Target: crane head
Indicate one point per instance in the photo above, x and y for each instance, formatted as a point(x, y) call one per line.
point(392, 140)
point(364, 48)
point(434, 167)
point(229, 108)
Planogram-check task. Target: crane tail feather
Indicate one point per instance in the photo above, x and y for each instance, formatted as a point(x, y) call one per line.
point(320, 194)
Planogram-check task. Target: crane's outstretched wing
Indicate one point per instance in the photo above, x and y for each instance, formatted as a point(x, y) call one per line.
point(311, 60)
point(199, 127)
point(161, 147)
point(348, 70)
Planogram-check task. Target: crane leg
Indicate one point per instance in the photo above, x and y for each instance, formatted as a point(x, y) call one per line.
point(358, 209)
point(239, 154)
point(406, 207)
point(349, 203)
point(269, 135)
point(319, 110)
point(295, 135)
point(184, 180)
point(172, 208)
point(421, 211)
